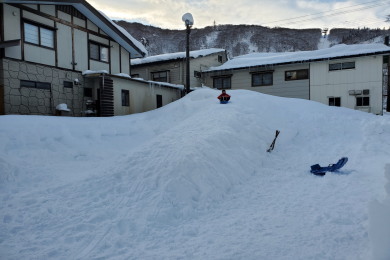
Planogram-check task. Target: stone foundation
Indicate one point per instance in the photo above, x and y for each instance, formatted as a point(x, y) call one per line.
point(35, 101)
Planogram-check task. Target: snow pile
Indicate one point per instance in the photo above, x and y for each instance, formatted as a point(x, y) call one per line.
point(269, 58)
point(192, 180)
point(380, 224)
point(62, 107)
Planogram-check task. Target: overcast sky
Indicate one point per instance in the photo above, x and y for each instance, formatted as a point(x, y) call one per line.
point(298, 14)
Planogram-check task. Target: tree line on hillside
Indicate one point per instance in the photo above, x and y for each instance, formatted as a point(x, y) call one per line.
point(243, 39)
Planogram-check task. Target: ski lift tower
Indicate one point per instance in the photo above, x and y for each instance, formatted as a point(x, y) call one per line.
point(325, 32)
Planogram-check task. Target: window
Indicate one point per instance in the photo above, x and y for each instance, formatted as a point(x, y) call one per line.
point(34, 84)
point(342, 66)
point(262, 79)
point(87, 92)
point(38, 35)
point(159, 101)
point(68, 84)
point(222, 82)
point(296, 74)
point(197, 74)
point(98, 52)
point(125, 98)
point(220, 58)
point(161, 76)
point(335, 101)
point(362, 101)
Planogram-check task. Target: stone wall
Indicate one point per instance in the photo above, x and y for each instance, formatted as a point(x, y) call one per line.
point(36, 101)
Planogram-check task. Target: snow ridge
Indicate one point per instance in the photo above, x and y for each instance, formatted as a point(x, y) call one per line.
point(192, 180)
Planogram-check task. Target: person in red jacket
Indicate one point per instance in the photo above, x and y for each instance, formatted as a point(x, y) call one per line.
point(224, 97)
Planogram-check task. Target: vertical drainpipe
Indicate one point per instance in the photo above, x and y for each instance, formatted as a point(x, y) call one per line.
point(309, 80)
point(388, 78)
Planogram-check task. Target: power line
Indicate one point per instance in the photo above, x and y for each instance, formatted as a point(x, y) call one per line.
point(330, 13)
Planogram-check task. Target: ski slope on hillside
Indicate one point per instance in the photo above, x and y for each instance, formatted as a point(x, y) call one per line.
point(193, 180)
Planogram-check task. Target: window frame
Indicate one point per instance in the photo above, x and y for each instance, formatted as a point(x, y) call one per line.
point(159, 78)
point(262, 74)
point(342, 66)
point(68, 84)
point(35, 84)
point(362, 101)
point(88, 92)
point(336, 101)
point(300, 74)
point(98, 56)
point(125, 97)
point(159, 100)
point(227, 78)
point(40, 41)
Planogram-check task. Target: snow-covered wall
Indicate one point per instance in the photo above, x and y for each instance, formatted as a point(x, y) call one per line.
point(379, 231)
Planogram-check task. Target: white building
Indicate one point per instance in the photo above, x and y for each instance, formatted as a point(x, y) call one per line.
point(171, 67)
point(47, 46)
point(352, 76)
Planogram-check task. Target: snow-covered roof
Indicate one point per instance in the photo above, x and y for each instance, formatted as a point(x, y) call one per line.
point(127, 76)
point(175, 56)
point(113, 30)
point(337, 51)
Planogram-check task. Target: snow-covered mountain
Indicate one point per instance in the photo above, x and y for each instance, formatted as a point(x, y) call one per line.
point(193, 180)
point(243, 39)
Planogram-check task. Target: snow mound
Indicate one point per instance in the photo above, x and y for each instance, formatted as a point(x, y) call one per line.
point(192, 180)
point(380, 223)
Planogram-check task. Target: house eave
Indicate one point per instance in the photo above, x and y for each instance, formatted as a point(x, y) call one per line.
point(94, 16)
point(268, 65)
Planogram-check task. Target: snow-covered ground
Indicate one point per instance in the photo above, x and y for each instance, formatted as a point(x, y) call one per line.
point(324, 43)
point(193, 180)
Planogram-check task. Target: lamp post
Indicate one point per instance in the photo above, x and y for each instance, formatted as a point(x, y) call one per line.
point(188, 21)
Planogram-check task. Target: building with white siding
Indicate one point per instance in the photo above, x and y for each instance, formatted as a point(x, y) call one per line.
point(352, 76)
point(171, 67)
point(45, 48)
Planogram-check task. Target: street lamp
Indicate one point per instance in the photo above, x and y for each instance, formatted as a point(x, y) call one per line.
point(188, 21)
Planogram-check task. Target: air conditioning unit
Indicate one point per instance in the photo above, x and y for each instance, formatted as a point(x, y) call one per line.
point(366, 92)
point(358, 92)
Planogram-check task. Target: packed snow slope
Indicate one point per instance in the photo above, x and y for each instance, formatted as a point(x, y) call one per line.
point(193, 180)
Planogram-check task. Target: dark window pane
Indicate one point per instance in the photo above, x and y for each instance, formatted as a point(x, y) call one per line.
point(43, 85)
point(303, 74)
point(291, 75)
point(334, 101)
point(87, 92)
point(27, 84)
point(125, 97)
point(267, 79)
point(256, 80)
point(366, 101)
point(335, 66)
point(161, 76)
point(222, 83)
point(159, 101)
point(337, 102)
point(68, 84)
point(348, 65)
point(94, 51)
